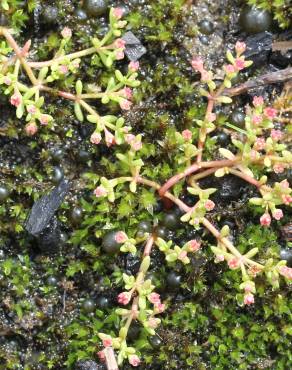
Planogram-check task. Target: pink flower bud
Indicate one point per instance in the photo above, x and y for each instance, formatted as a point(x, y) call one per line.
point(159, 307)
point(182, 255)
point(118, 13)
point(109, 138)
point(240, 47)
point(229, 69)
point(31, 109)
point(260, 143)
point(278, 168)
point(95, 138)
point(265, 219)
point(258, 101)
point(121, 237)
point(187, 135)
point(119, 54)
point(153, 323)
point(7, 81)
point(136, 145)
point(127, 93)
point(276, 135)
point(100, 191)
point(154, 298)
point(133, 66)
point(209, 205)
point(286, 272)
point(278, 214)
point(15, 99)
point(257, 119)
point(193, 245)
point(248, 287)
point(206, 76)
point(75, 63)
point(129, 138)
point(287, 199)
point(219, 258)
point(66, 32)
point(134, 360)
point(233, 263)
point(31, 128)
point(63, 69)
point(197, 64)
point(124, 298)
point(284, 184)
point(270, 113)
point(44, 119)
point(125, 104)
point(120, 44)
point(248, 299)
point(107, 342)
point(239, 64)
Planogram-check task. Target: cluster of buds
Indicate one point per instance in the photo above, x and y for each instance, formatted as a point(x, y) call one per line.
point(204, 204)
point(28, 99)
point(109, 123)
point(214, 94)
point(237, 63)
point(177, 253)
point(271, 198)
point(187, 150)
point(121, 345)
point(138, 292)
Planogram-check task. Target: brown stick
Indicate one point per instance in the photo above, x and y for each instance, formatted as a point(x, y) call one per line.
point(269, 78)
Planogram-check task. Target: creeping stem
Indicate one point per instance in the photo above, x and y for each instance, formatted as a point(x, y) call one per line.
point(204, 220)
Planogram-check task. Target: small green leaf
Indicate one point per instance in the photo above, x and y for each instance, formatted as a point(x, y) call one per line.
point(78, 112)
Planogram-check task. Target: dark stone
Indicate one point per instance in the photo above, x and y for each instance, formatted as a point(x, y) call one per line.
point(281, 60)
point(286, 254)
point(254, 20)
point(206, 27)
point(87, 365)
point(132, 264)
point(4, 193)
point(258, 47)
point(103, 302)
point(134, 49)
point(95, 8)
point(50, 14)
point(134, 331)
point(49, 240)
point(155, 341)
point(229, 188)
point(81, 15)
point(76, 215)
point(44, 208)
point(57, 175)
point(88, 306)
point(173, 280)
point(238, 117)
point(52, 281)
point(204, 39)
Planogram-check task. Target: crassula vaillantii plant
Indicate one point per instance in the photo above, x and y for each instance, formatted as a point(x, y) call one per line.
point(27, 83)
point(258, 148)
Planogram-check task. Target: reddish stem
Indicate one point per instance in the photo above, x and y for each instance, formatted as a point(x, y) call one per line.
point(194, 168)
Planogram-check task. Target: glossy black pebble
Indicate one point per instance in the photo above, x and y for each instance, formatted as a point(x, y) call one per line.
point(254, 20)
